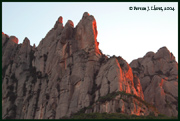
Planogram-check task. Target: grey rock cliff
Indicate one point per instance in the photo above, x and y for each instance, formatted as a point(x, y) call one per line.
point(66, 73)
point(158, 74)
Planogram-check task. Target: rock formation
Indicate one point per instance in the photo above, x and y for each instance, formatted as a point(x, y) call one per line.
point(66, 73)
point(158, 74)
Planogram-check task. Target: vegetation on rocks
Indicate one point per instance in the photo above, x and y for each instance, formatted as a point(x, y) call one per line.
point(117, 116)
point(112, 95)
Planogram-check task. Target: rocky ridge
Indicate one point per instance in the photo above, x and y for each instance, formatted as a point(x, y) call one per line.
point(158, 74)
point(66, 73)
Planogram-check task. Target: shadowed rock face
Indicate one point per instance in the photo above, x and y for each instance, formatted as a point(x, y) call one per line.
point(65, 73)
point(158, 74)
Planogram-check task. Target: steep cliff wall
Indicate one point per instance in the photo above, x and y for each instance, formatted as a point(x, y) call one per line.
point(66, 73)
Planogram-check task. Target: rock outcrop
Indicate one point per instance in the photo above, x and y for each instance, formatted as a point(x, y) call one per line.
point(66, 73)
point(158, 74)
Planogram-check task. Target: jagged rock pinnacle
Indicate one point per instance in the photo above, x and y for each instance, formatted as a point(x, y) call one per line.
point(86, 33)
point(164, 53)
point(34, 45)
point(67, 32)
point(59, 22)
point(26, 41)
point(14, 39)
point(86, 14)
point(60, 19)
point(70, 23)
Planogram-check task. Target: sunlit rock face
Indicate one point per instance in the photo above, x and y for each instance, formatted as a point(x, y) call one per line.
point(86, 33)
point(116, 75)
point(158, 74)
point(65, 73)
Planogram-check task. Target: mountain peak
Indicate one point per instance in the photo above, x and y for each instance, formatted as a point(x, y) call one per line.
point(87, 33)
point(86, 14)
point(14, 39)
point(59, 22)
point(159, 71)
point(60, 19)
point(26, 41)
point(70, 23)
point(163, 52)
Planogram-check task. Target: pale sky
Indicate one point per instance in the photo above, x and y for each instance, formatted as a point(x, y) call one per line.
point(121, 32)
